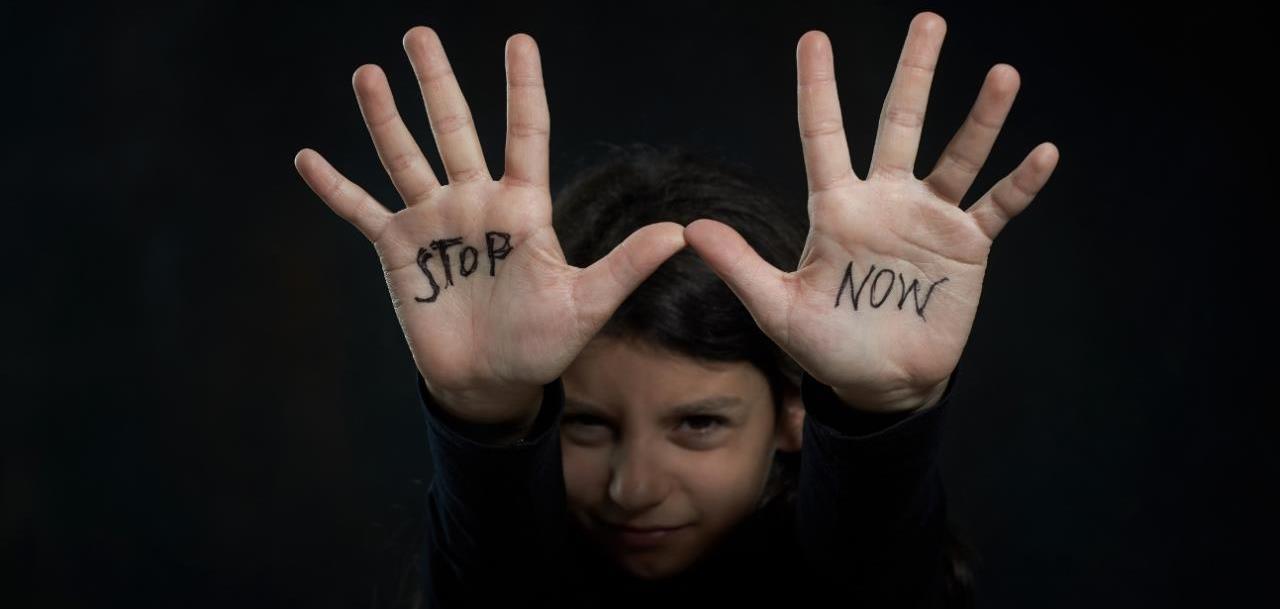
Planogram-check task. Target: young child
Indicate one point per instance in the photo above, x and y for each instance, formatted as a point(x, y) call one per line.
point(630, 404)
point(611, 447)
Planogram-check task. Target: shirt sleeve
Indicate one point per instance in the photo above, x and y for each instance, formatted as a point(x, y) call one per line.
point(870, 508)
point(495, 514)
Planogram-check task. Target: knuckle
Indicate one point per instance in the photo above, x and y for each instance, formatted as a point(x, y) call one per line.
point(449, 123)
point(904, 117)
point(520, 182)
point(964, 162)
point(466, 174)
point(528, 129)
point(401, 162)
point(822, 127)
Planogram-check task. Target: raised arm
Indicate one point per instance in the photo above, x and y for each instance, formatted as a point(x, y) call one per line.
point(882, 302)
point(490, 310)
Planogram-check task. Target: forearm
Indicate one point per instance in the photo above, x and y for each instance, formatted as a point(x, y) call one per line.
point(496, 510)
point(871, 505)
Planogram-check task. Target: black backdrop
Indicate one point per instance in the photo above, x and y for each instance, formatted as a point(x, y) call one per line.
point(209, 401)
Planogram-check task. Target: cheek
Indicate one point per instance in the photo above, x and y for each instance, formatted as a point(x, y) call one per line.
point(730, 482)
point(727, 484)
point(586, 475)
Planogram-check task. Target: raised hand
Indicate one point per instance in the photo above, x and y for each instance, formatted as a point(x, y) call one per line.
point(489, 307)
point(887, 287)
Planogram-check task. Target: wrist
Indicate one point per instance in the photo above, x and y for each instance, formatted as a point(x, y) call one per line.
point(888, 404)
point(507, 411)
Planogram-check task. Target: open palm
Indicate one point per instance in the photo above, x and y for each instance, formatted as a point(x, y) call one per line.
point(488, 305)
point(887, 287)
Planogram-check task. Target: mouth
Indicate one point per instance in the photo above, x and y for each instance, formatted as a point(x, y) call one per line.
point(631, 537)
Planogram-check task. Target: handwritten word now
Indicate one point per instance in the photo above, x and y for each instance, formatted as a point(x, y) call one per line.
point(855, 292)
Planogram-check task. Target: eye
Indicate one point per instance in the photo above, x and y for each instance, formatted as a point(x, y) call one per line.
point(709, 423)
point(580, 419)
point(701, 425)
point(585, 429)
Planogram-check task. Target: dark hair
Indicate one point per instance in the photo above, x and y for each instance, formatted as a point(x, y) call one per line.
point(684, 307)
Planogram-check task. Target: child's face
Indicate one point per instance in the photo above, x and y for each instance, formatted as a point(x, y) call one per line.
point(630, 458)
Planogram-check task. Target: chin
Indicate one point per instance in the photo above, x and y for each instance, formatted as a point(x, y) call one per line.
point(651, 568)
point(654, 565)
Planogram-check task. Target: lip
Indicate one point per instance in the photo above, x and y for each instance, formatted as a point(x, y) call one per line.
point(642, 538)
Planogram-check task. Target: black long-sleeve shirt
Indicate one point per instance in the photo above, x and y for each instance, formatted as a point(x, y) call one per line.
point(866, 527)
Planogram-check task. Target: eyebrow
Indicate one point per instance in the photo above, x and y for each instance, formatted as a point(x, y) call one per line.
point(711, 405)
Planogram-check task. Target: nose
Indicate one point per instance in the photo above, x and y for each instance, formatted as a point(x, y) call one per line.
point(638, 482)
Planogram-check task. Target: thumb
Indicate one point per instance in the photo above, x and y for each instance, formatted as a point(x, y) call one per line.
point(759, 285)
point(603, 286)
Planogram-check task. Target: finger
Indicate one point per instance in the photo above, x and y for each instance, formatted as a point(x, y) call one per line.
point(966, 153)
point(1012, 194)
point(400, 155)
point(343, 196)
point(759, 285)
point(528, 120)
point(902, 117)
point(826, 150)
point(604, 285)
point(447, 109)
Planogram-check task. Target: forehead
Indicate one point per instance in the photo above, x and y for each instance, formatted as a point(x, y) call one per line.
point(611, 374)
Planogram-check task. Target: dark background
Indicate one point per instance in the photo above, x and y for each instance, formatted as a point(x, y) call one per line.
point(209, 402)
